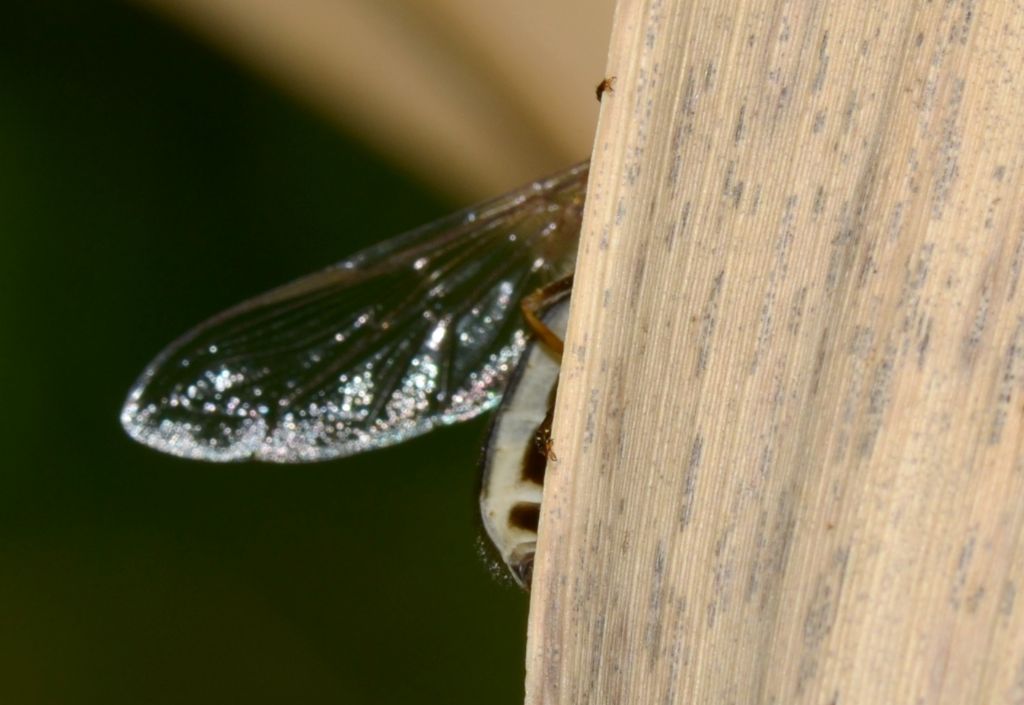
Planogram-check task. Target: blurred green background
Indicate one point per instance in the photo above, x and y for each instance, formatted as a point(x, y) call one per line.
point(145, 183)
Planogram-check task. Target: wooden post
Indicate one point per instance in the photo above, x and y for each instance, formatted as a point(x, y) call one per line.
point(788, 435)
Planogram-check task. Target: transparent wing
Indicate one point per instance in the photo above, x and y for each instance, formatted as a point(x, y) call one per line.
point(419, 331)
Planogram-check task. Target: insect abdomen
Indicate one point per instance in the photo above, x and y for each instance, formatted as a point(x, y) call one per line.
point(518, 450)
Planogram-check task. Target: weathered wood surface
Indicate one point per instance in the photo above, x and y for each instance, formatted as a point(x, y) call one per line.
point(790, 418)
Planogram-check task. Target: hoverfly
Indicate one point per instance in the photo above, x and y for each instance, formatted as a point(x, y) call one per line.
point(423, 330)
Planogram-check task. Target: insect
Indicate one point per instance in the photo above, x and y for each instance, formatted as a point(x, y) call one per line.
point(423, 330)
point(519, 447)
point(606, 84)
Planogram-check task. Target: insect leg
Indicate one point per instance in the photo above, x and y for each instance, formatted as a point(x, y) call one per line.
point(537, 302)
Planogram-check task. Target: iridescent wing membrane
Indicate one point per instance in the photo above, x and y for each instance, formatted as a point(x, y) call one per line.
point(419, 331)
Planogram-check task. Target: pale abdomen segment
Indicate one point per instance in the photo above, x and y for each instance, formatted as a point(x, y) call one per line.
point(518, 449)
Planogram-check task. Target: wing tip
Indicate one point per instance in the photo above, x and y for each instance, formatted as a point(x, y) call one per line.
point(144, 424)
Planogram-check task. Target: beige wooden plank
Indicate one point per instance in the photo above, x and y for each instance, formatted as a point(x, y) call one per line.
point(789, 422)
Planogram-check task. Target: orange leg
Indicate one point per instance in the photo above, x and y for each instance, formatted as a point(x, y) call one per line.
point(537, 302)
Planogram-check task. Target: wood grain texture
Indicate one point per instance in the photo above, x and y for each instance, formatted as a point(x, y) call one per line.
point(790, 415)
